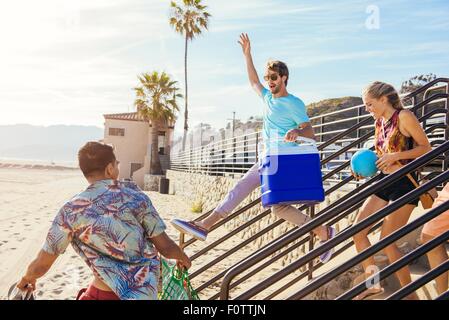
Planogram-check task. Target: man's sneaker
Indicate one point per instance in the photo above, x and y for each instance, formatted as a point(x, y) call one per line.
point(190, 228)
point(325, 257)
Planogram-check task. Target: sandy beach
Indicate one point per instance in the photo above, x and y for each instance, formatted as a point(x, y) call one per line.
point(30, 197)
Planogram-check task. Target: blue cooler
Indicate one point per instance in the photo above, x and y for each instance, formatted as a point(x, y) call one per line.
point(290, 173)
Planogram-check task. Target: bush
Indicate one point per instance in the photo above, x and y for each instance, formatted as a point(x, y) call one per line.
point(197, 206)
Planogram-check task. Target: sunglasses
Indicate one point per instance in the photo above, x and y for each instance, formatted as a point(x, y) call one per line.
point(272, 77)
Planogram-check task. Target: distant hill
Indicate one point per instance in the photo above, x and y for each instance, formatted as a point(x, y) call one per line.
point(53, 143)
point(331, 105)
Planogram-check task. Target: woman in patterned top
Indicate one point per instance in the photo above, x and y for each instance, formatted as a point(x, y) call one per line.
point(399, 138)
point(114, 228)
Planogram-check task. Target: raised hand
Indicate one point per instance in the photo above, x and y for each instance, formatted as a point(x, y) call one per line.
point(245, 43)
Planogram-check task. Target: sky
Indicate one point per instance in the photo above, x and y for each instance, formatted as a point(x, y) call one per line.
point(70, 62)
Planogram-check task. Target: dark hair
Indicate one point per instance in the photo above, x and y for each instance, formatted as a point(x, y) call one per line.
point(94, 157)
point(279, 67)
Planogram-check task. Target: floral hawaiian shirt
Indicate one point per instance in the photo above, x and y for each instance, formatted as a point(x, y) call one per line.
point(110, 225)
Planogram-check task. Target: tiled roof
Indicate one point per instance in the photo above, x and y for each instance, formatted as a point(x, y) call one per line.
point(129, 116)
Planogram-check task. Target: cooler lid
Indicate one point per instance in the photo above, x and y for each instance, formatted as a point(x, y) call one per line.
point(279, 147)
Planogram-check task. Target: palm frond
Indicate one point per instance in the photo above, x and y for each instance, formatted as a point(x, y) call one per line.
point(156, 97)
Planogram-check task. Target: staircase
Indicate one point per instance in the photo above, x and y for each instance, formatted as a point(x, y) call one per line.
point(265, 274)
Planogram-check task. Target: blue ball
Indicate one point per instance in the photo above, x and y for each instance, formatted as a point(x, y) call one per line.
point(363, 163)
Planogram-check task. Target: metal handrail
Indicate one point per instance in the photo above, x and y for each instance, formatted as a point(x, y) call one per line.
point(413, 94)
point(405, 260)
point(336, 138)
point(444, 296)
point(312, 286)
point(333, 222)
point(323, 218)
point(315, 284)
point(429, 276)
point(327, 209)
point(321, 146)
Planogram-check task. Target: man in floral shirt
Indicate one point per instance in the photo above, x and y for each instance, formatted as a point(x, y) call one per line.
point(114, 228)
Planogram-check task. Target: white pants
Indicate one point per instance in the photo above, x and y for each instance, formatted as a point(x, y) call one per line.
point(247, 184)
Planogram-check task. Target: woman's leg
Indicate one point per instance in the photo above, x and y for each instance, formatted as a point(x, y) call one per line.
point(361, 241)
point(436, 257)
point(393, 222)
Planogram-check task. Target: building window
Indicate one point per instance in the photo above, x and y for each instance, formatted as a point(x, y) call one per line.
point(117, 132)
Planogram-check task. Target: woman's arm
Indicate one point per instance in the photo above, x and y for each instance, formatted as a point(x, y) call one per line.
point(410, 126)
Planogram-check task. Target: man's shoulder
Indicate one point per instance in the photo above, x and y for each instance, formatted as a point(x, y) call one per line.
point(265, 93)
point(296, 100)
point(132, 190)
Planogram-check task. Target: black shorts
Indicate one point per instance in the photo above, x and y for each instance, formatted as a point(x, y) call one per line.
point(397, 189)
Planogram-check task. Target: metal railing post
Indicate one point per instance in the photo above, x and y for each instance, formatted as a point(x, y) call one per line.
point(359, 131)
point(311, 210)
point(321, 131)
point(446, 131)
point(181, 240)
point(257, 146)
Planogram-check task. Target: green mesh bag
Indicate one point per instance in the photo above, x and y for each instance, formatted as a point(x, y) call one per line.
point(176, 284)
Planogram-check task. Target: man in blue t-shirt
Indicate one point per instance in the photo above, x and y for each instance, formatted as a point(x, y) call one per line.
point(285, 118)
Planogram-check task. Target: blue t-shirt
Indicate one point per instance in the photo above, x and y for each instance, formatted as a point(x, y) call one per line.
point(281, 115)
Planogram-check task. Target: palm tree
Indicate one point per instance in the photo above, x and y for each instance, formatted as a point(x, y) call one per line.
point(156, 102)
point(188, 19)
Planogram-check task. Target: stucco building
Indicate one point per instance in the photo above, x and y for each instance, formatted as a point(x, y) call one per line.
point(130, 135)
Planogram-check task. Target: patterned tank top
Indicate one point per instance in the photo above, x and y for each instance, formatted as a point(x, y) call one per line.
point(388, 137)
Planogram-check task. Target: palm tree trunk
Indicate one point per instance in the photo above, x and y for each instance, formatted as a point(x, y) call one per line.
point(155, 164)
point(186, 113)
